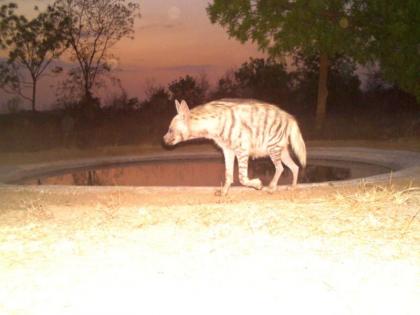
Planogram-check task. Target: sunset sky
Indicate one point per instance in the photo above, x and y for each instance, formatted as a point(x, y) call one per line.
point(172, 39)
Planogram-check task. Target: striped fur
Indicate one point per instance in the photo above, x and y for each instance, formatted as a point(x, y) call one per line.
point(242, 129)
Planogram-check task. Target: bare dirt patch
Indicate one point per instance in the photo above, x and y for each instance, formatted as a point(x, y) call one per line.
point(348, 250)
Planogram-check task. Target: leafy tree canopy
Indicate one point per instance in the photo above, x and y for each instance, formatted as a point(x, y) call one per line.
point(393, 39)
point(35, 43)
point(32, 46)
point(263, 79)
point(7, 20)
point(322, 28)
point(190, 89)
point(283, 26)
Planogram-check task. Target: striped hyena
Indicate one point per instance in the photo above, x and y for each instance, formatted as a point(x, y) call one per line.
point(242, 128)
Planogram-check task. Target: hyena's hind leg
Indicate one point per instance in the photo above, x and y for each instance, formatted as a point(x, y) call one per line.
point(243, 159)
point(276, 157)
point(288, 161)
point(229, 156)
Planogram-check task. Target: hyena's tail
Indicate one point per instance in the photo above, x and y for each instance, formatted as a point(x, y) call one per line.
point(297, 143)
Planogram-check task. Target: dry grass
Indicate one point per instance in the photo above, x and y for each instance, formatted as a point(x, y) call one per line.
point(342, 251)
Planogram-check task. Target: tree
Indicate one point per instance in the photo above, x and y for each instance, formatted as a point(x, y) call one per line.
point(259, 78)
point(343, 83)
point(13, 104)
point(156, 110)
point(33, 45)
point(227, 87)
point(158, 103)
point(189, 89)
point(121, 102)
point(7, 20)
point(393, 33)
point(10, 79)
point(96, 26)
point(319, 28)
point(264, 79)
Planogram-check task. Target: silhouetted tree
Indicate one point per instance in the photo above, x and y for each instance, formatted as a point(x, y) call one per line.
point(122, 103)
point(343, 82)
point(71, 90)
point(96, 26)
point(321, 28)
point(393, 33)
point(264, 79)
point(375, 81)
point(190, 89)
point(8, 20)
point(33, 45)
point(226, 87)
point(13, 104)
point(156, 111)
point(158, 102)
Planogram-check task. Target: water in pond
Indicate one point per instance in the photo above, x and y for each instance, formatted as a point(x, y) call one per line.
point(207, 172)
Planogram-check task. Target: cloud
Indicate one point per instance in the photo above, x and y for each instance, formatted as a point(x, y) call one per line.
point(158, 26)
point(193, 68)
point(179, 68)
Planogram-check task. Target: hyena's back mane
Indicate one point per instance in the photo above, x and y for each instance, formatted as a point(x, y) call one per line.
point(233, 102)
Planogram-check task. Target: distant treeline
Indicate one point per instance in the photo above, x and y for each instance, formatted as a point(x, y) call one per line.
point(379, 111)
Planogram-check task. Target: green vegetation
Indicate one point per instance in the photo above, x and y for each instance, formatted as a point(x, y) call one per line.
point(311, 28)
point(393, 32)
point(32, 45)
point(369, 31)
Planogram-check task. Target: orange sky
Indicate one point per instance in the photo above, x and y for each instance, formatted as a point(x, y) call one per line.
point(172, 39)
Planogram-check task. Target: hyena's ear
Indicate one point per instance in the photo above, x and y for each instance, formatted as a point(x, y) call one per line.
point(182, 108)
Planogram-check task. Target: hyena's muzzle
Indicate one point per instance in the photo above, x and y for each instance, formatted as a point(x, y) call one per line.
point(169, 139)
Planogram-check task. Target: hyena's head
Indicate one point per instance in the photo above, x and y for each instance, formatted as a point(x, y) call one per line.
point(179, 128)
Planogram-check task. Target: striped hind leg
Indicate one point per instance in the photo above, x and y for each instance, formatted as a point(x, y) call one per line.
point(243, 159)
point(276, 157)
point(288, 161)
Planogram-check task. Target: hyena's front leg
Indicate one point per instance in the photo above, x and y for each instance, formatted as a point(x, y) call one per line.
point(275, 156)
point(243, 159)
point(229, 156)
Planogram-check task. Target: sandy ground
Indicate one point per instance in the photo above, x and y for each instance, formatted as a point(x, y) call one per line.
point(132, 251)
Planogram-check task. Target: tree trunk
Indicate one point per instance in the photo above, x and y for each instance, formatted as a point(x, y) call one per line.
point(34, 81)
point(89, 100)
point(321, 107)
point(88, 95)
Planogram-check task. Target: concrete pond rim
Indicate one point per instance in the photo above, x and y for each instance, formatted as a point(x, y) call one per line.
point(401, 164)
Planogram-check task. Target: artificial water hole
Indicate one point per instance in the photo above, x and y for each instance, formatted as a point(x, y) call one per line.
point(201, 172)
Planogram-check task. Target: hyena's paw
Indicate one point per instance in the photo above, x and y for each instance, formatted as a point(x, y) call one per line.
point(255, 183)
point(270, 189)
point(220, 192)
point(291, 187)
